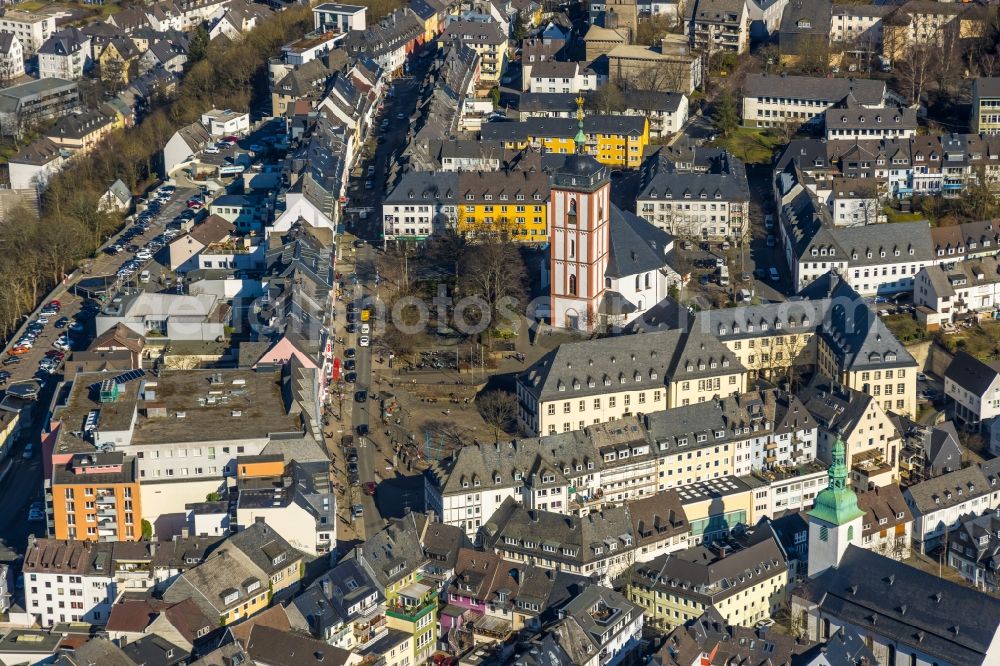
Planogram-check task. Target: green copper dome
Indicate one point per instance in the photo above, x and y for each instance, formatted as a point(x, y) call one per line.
point(837, 504)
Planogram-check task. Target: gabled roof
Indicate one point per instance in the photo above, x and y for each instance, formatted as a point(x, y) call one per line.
point(947, 621)
point(636, 246)
point(972, 374)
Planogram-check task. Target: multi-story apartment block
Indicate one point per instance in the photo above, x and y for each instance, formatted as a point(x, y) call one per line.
point(974, 551)
point(924, 164)
point(974, 387)
point(485, 38)
point(170, 424)
point(985, 112)
point(64, 55)
point(582, 383)
point(612, 140)
point(510, 202)
point(772, 101)
point(851, 121)
point(241, 576)
point(25, 104)
point(30, 29)
point(718, 25)
point(552, 76)
point(744, 577)
point(421, 204)
point(95, 497)
point(857, 29)
point(857, 351)
point(939, 504)
point(11, 57)
point(296, 499)
point(872, 442)
point(344, 607)
point(697, 204)
point(631, 459)
point(599, 545)
point(68, 581)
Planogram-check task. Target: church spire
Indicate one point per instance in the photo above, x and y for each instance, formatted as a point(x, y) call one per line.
point(581, 137)
point(837, 504)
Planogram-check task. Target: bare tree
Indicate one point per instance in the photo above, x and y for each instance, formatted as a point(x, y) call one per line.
point(492, 270)
point(499, 410)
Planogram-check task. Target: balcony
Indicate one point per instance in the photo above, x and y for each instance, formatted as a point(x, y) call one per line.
point(414, 601)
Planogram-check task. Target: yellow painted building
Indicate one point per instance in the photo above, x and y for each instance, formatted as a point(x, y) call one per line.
point(745, 584)
point(511, 202)
point(617, 141)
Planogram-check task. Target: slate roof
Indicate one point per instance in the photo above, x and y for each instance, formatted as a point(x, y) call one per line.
point(883, 503)
point(725, 179)
point(65, 42)
point(582, 368)
point(562, 127)
point(336, 598)
point(636, 246)
point(710, 574)
point(729, 644)
point(579, 610)
point(286, 648)
point(154, 650)
point(869, 92)
point(951, 489)
point(583, 537)
point(972, 374)
point(857, 336)
point(944, 620)
point(475, 32)
point(439, 187)
point(393, 553)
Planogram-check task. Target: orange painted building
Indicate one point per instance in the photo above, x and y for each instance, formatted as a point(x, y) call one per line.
point(95, 497)
point(249, 467)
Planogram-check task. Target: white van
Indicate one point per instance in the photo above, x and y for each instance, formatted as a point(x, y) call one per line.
point(144, 277)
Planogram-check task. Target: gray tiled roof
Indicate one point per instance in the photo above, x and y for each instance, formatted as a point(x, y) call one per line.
point(972, 374)
point(425, 186)
point(581, 369)
point(636, 246)
point(944, 620)
point(710, 573)
point(869, 92)
point(951, 489)
point(589, 538)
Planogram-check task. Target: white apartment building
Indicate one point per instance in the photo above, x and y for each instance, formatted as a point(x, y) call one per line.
point(951, 290)
point(11, 56)
point(625, 460)
point(64, 55)
point(974, 386)
point(700, 205)
point(30, 29)
point(68, 581)
point(939, 503)
point(421, 204)
point(771, 101)
point(553, 76)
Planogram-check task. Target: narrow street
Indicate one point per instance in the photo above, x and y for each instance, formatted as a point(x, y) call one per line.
point(358, 267)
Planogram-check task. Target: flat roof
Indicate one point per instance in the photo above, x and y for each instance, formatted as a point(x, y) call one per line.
point(709, 489)
point(187, 406)
point(338, 8)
